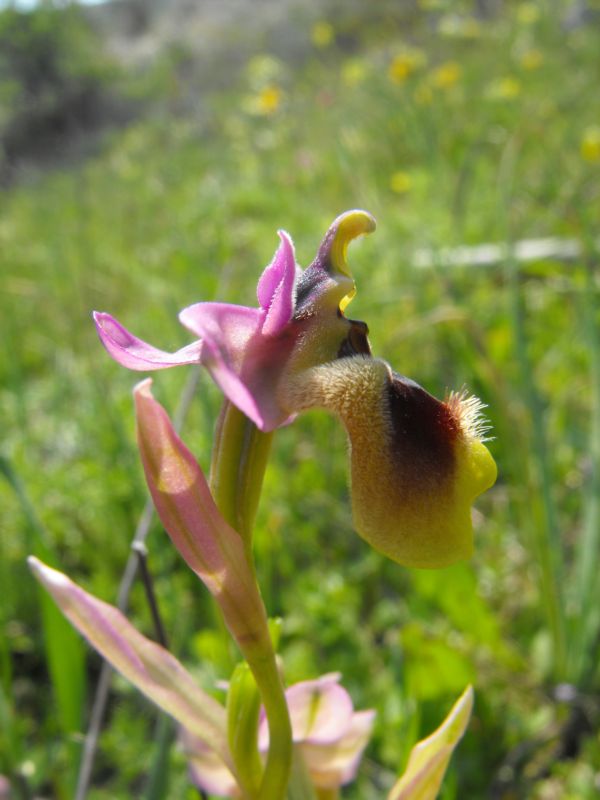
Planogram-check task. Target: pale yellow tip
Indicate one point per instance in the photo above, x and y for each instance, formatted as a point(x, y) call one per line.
point(348, 226)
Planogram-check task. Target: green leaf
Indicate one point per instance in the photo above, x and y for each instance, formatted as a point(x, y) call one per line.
point(65, 654)
point(429, 758)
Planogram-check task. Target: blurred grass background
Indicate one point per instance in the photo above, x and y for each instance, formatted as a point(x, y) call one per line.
point(148, 167)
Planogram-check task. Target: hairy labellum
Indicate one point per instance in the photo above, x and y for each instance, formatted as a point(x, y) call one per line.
point(416, 463)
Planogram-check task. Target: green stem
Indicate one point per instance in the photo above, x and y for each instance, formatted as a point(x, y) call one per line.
point(238, 464)
point(301, 787)
point(587, 622)
point(277, 769)
point(328, 794)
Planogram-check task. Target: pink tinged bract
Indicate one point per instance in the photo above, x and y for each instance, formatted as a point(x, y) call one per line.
point(150, 667)
point(210, 546)
point(206, 769)
point(429, 758)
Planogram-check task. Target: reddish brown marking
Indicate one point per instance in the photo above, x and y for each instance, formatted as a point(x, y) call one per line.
point(425, 432)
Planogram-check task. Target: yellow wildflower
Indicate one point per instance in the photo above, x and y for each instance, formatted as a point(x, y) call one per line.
point(590, 144)
point(270, 99)
point(446, 75)
point(322, 34)
point(354, 71)
point(504, 89)
point(528, 13)
point(404, 64)
point(532, 59)
point(401, 182)
point(267, 101)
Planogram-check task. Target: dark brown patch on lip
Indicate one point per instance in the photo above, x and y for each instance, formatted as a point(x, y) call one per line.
point(425, 431)
point(356, 342)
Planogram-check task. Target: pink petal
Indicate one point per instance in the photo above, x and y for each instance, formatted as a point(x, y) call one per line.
point(320, 711)
point(211, 547)
point(228, 326)
point(207, 770)
point(5, 790)
point(333, 765)
point(275, 288)
point(227, 332)
point(245, 364)
point(146, 664)
point(133, 353)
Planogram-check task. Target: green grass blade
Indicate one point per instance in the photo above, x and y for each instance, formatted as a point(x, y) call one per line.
point(158, 780)
point(586, 625)
point(540, 500)
point(64, 650)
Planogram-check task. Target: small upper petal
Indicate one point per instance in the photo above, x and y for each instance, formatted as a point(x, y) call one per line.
point(133, 353)
point(275, 290)
point(327, 284)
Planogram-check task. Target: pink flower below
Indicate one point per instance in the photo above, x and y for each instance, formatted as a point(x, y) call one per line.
point(329, 734)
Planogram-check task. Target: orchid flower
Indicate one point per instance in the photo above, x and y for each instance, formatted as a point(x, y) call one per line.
point(417, 463)
point(296, 351)
point(299, 317)
point(329, 735)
